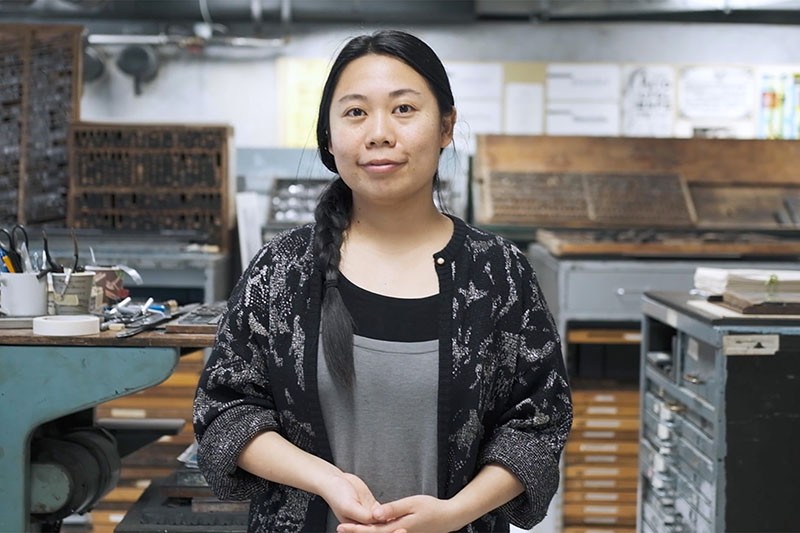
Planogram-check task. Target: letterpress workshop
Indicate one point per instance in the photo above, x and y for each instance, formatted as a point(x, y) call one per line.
point(524, 266)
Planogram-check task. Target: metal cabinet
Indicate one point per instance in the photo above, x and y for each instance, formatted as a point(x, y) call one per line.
point(610, 289)
point(606, 292)
point(720, 415)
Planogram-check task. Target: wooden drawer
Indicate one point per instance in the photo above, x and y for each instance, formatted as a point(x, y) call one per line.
point(599, 484)
point(601, 447)
point(596, 459)
point(606, 424)
point(620, 397)
point(606, 411)
point(600, 497)
point(602, 472)
point(604, 434)
point(600, 514)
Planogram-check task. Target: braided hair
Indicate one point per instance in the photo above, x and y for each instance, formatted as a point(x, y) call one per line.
point(334, 208)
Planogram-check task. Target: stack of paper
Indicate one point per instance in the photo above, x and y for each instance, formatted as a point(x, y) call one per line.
point(761, 285)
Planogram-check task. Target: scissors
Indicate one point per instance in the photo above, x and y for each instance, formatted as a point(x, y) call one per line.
point(52, 266)
point(12, 245)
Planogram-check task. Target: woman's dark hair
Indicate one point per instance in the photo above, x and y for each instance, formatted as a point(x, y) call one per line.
point(334, 208)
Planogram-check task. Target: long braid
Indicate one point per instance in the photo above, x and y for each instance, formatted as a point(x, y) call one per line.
point(332, 215)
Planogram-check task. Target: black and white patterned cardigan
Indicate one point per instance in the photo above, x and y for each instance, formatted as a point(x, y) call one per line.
point(503, 391)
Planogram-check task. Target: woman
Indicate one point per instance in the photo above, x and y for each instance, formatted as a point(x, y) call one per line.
point(387, 368)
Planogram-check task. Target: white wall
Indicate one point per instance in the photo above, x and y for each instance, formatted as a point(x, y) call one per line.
point(235, 88)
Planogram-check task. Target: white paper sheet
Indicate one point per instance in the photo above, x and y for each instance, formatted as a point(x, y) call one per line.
point(648, 100)
point(478, 92)
point(595, 82)
point(582, 118)
point(716, 92)
point(524, 108)
point(251, 215)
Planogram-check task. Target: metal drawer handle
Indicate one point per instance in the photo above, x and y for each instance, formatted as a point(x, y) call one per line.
point(676, 407)
point(622, 291)
point(691, 378)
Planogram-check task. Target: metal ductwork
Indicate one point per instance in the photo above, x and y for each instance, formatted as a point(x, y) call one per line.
point(230, 11)
point(117, 13)
point(774, 11)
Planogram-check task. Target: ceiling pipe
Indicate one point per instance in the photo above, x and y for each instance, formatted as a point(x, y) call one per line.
point(286, 12)
point(122, 12)
point(227, 11)
point(184, 41)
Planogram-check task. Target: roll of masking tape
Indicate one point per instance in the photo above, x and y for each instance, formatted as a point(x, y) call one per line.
point(66, 325)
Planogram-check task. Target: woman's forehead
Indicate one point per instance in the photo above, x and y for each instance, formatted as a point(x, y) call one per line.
point(378, 73)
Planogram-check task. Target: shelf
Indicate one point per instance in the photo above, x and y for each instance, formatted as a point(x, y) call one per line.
point(604, 336)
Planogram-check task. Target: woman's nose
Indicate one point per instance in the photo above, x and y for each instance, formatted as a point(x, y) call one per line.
point(381, 132)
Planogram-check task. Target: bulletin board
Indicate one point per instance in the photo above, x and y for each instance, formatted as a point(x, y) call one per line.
point(587, 99)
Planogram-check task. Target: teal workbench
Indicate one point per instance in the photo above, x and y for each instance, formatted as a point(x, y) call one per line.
point(45, 379)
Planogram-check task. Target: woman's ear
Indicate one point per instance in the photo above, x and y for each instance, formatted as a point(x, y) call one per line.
point(448, 125)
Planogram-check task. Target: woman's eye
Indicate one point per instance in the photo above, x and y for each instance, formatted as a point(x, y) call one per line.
point(355, 112)
point(404, 108)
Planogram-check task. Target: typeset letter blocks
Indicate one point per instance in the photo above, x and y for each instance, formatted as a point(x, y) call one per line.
point(173, 179)
point(39, 96)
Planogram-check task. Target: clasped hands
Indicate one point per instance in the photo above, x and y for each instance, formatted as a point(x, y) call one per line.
point(359, 512)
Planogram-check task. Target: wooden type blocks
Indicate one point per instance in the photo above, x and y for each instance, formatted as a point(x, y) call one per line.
point(40, 69)
point(175, 179)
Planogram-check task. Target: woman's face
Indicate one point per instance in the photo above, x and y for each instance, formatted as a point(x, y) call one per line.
point(386, 131)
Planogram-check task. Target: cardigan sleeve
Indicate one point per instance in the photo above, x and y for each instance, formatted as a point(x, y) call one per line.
point(233, 403)
point(531, 433)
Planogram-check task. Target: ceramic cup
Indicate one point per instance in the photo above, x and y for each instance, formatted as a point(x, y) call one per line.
point(22, 294)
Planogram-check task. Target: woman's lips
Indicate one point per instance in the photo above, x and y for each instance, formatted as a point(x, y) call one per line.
point(381, 165)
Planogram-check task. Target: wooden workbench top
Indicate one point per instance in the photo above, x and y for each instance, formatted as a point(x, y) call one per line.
point(25, 337)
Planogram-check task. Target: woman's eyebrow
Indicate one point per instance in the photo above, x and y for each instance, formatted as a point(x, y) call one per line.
point(403, 92)
point(349, 97)
point(394, 94)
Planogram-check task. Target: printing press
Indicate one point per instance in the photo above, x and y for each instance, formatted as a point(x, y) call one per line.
point(51, 440)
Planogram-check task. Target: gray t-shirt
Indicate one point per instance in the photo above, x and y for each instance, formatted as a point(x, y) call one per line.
point(387, 435)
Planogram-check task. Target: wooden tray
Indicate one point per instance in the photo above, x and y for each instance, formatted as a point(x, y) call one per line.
point(584, 200)
point(547, 182)
point(564, 243)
